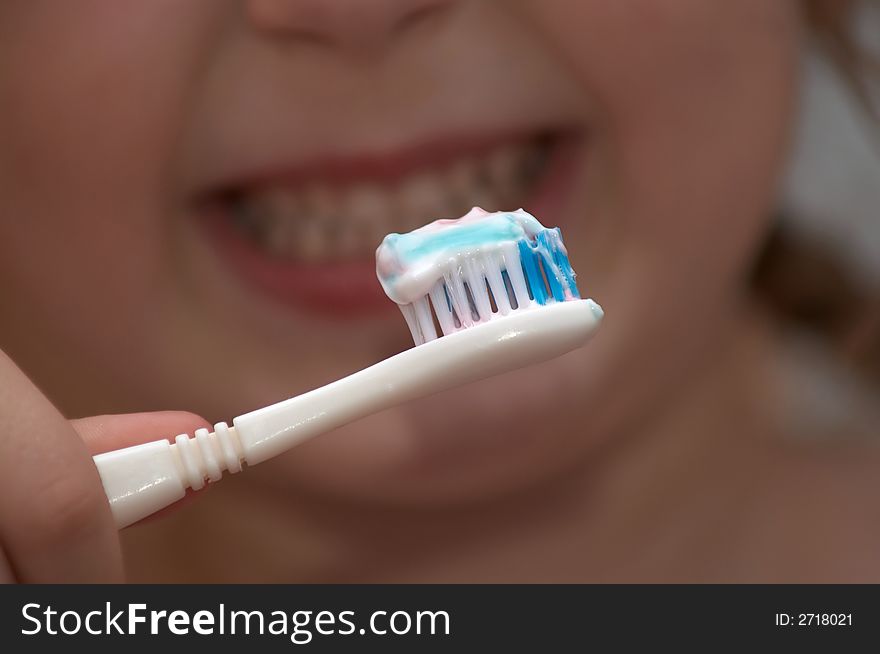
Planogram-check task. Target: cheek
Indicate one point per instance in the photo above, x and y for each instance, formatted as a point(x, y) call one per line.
point(91, 102)
point(92, 96)
point(693, 101)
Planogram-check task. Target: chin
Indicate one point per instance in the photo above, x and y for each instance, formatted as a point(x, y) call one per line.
point(481, 441)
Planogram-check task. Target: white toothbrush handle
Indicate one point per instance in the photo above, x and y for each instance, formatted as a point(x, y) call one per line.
point(143, 479)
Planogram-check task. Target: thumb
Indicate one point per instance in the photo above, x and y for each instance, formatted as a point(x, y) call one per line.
point(112, 432)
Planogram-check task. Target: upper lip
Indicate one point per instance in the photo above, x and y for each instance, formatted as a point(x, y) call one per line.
point(386, 164)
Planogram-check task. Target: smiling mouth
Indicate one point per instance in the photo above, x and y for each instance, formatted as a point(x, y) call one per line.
point(307, 235)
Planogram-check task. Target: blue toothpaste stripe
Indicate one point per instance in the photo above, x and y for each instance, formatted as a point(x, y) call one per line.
point(546, 250)
point(533, 275)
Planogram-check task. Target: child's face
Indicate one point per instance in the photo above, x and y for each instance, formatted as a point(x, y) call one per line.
point(191, 193)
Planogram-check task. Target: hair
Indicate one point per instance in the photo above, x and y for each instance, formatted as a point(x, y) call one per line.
point(796, 277)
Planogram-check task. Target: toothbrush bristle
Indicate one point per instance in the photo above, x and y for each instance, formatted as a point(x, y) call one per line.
point(493, 282)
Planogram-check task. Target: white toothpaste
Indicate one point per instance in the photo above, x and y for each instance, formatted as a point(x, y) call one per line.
point(408, 265)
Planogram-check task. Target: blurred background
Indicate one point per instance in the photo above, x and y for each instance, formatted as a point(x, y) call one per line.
point(833, 187)
point(830, 214)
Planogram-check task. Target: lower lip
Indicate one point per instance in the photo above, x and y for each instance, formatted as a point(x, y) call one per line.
point(349, 289)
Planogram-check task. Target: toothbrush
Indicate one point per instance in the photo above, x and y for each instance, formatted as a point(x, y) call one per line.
point(498, 285)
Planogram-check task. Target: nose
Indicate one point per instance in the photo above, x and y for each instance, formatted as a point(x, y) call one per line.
point(351, 24)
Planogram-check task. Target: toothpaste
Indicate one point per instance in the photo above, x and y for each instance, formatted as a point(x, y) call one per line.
point(408, 265)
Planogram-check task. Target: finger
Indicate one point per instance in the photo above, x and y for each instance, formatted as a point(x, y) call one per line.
point(111, 432)
point(55, 522)
point(6, 575)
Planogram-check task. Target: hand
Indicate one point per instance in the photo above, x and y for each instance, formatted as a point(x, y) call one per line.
point(55, 521)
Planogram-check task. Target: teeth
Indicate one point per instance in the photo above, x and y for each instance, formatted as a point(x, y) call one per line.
point(532, 164)
point(423, 195)
point(503, 168)
point(320, 201)
point(369, 207)
point(276, 206)
point(319, 222)
point(470, 183)
point(463, 177)
point(485, 197)
point(311, 244)
point(318, 235)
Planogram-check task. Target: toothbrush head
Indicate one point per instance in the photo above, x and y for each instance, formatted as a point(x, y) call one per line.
point(452, 275)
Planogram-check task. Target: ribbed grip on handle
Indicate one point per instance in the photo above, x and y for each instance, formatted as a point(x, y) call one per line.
point(143, 479)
